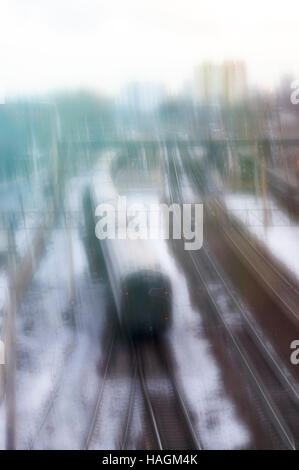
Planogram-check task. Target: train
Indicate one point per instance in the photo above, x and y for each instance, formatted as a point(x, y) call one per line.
point(140, 287)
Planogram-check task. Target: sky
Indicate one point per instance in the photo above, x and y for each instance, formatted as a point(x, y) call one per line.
point(103, 44)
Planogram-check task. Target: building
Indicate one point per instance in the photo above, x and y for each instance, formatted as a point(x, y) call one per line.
point(224, 83)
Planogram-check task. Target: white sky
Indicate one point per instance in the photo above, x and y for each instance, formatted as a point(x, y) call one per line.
point(45, 44)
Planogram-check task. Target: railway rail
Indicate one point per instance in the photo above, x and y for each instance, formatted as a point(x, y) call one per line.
point(166, 409)
point(202, 268)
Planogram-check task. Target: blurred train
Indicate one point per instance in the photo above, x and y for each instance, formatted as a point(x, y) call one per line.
point(141, 290)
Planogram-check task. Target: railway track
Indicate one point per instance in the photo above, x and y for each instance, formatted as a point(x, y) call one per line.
point(171, 423)
point(270, 352)
point(52, 396)
point(270, 355)
point(255, 365)
point(289, 303)
point(252, 330)
point(280, 288)
point(99, 397)
point(166, 410)
point(207, 265)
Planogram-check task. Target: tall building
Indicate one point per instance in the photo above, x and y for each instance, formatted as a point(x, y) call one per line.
point(225, 83)
point(208, 82)
point(234, 81)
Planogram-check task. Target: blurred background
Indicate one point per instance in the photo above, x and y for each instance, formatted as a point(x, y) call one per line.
point(161, 102)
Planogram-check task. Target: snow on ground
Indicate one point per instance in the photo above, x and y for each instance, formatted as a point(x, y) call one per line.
point(280, 236)
point(23, 210)
point(58, 335)
point(217, 423)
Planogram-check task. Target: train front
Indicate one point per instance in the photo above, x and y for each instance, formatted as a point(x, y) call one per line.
point(146, 303)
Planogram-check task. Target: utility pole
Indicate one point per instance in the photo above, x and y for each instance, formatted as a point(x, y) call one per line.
point(10, 345)
point(264, 154)
point(10, 374)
